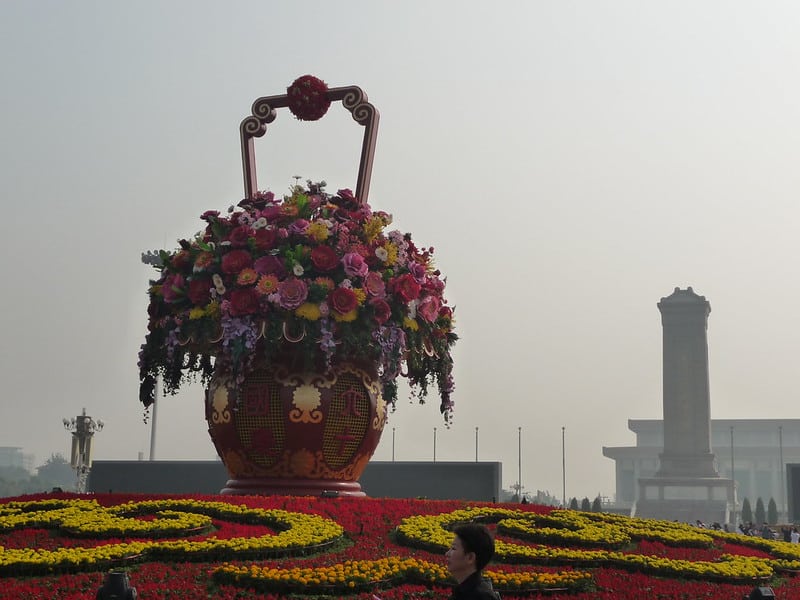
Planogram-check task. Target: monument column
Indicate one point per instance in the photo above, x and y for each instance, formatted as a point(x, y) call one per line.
point(686, 400)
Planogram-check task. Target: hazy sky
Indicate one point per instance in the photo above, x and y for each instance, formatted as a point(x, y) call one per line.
point(572, 163)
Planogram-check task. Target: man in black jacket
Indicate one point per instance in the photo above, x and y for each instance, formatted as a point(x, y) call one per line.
point(470, 552)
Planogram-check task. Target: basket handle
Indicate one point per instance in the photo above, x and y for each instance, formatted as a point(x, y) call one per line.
point(263, 111)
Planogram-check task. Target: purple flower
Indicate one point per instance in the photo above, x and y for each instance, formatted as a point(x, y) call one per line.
point(299, 227)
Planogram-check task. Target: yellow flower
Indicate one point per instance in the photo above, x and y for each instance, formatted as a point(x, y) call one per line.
point(308, 311)
point(212, 310)
point(197, 313)
point(346, 317)
point(372, 228)
point(410, 324)
point(318, 231)
point(391, 251)
point(360, 294)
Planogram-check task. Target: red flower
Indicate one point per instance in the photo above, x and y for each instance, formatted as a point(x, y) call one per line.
point(382, 310)
point(406, 287)
point(238, 236)
point(308, 98)
point(244, 301)
point(343, 300)
point(236, 260)
point(324, 258)
point(200, 291)
point(265, 239)
point(270, 265)
point(181, 260)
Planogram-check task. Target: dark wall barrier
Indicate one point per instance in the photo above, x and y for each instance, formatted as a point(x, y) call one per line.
point(439, 480)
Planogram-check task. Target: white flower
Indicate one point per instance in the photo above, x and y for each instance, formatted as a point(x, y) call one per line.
point(298, 270)
point(412, 309)
point(260, 223)
point(217, 280)
point(346, 283)
point(381, 253)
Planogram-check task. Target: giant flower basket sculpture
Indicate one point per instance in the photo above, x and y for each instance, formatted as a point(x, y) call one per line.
point(299, 314)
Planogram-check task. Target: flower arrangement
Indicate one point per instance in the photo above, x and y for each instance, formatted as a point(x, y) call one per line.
point(312, 278)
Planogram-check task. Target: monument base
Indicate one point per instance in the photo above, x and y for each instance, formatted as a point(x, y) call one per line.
point(686, 499)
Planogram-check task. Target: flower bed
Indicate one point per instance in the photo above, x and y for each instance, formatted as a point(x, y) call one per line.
point(268, 547)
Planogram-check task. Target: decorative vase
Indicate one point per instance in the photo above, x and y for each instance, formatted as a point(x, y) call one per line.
point(285, 430)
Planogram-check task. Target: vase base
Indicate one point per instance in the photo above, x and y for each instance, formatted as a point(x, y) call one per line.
point(263, 486)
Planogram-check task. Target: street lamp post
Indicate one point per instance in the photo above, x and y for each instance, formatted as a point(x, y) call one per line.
point(392, 444)
point(519, 464)
point(476, 444)
point(83, 427)
point(563, 470)
point(783, 489)
point(733, 477)
point(434, 444)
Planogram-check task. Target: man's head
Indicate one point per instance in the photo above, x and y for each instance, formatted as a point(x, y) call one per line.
point(471, 550)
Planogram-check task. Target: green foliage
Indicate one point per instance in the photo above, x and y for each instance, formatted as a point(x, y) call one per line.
point(747, 512)
point(586, 505)
point(772, 512)
point(597, 505)
point(573, 504)
point(761, 514)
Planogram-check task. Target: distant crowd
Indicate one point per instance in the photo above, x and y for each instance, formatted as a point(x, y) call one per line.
point(787, 533)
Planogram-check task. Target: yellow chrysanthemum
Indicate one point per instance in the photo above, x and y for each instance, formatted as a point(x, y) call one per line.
point(391, 251)
point(308, 311)
point(212, 310)
point(197, 313)
point(360, 294)
point(410, 324)
point(318, 231)
point(346, 317)
point(372, 228)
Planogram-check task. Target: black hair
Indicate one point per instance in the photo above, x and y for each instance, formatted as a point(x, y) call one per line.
point(476, 538)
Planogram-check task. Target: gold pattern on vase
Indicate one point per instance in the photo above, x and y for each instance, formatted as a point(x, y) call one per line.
point(380, 418)
point(306, 400)
point(219, 404)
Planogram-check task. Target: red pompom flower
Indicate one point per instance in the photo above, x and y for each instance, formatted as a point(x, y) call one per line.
point(308, 98)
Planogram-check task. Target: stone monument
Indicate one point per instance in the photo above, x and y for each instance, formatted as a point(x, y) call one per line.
point(687, 485)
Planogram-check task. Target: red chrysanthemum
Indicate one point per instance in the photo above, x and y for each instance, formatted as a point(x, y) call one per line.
point(308, 98)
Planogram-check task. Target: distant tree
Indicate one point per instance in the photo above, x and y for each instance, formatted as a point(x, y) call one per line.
point(760, 515)
point(586, 505)
point(772, 512)
point(747, 511)
point(573, 504)
point(55, 472)
point(597, 505)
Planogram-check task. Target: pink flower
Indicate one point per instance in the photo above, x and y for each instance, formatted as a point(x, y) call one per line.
point(292, 293)
point(374, 285)
point(354, 265)
point(428, 308)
